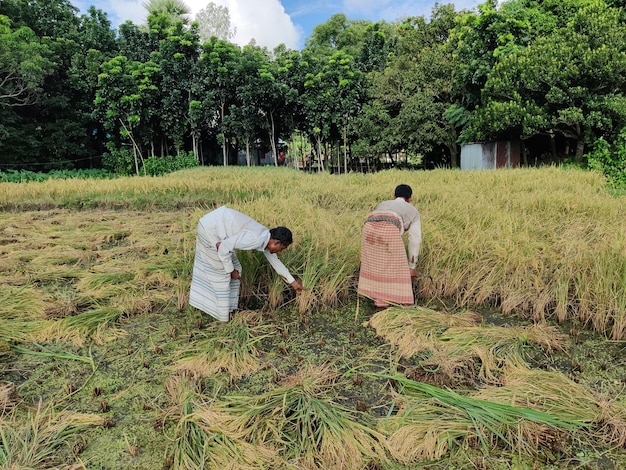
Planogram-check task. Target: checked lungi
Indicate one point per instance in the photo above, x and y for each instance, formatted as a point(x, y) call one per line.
point(384, 273)
point(212, 289)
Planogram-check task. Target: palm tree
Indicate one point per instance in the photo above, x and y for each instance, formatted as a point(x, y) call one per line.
point(175, 10)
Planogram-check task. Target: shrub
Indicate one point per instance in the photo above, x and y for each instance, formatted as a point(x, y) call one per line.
point(155, 166)
point(610, 159)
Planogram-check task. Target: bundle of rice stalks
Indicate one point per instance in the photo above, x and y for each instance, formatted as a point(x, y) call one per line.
point(301, 417)
point(8, 397)
point(22, 314)
point(495, 347)
point(205, 438)
point(421, 431)
point(556, 393)
point(38, 440)
point(612, 422)
point(413, 329)
point(466, 418)
point(227, 347)
point(78, 328)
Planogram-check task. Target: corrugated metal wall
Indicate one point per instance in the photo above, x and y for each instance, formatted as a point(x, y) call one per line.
point(490, 155)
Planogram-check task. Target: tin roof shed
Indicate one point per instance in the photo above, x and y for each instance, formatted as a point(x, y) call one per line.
point(491, 155)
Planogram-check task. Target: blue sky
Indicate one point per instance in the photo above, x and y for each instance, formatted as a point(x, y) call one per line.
point(272, 22)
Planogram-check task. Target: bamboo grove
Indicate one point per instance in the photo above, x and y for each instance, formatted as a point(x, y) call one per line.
point(362, 95)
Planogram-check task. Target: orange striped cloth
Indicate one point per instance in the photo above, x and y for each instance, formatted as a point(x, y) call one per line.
point(384, 273)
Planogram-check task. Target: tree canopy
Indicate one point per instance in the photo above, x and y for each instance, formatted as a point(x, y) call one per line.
point(76, 93)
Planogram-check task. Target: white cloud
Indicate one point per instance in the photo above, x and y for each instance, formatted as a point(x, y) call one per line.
point(263, 20)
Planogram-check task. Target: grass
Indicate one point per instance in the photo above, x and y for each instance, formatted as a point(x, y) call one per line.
point(516, 338)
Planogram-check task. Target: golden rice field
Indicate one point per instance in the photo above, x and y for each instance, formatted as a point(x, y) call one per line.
point(512, 357)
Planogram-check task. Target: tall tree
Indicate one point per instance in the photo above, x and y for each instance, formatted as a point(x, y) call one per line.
point(214, 20)
point(125, 103)
point(23, 65)
point(215, 87)
point(60, 129)
point(570, 82)
point(245, 118)
point(173, 10)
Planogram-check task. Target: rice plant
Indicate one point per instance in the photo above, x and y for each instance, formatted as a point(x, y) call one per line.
point(496, 347)
point(204, 438)
point(226, 347)
point(433, 418)
point(77, 329)
point(42, 438)
point(302, 417)
point(414, 329)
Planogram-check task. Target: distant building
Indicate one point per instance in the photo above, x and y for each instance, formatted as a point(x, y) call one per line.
point(491, 155)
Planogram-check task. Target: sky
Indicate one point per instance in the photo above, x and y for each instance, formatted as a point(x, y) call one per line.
point(274, 22)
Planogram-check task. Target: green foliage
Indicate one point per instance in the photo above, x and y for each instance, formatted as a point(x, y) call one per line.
point(610, 159)
point(23, 176)
point(155, 166)
point(119, 161)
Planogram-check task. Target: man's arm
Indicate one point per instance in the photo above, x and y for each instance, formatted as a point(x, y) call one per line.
point(279, 267)
point(415, 242)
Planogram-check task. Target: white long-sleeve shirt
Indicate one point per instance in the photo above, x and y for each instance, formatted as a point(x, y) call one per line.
point(411, 223)
point(237, 231)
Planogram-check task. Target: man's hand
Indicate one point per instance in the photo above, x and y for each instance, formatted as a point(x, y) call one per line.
point(235, 274)
point(297, 286)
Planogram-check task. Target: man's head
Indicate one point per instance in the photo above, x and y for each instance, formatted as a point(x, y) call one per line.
point(403, 191)
point(280, 238)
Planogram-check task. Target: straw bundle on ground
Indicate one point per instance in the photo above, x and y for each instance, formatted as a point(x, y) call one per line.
point(226, 347)
point(301, 418)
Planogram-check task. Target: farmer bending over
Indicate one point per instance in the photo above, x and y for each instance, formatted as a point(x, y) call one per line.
point(385, 273)
point(216, 269)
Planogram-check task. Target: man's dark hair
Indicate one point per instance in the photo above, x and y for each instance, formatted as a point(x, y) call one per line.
point(403, 190)
point(282, 234)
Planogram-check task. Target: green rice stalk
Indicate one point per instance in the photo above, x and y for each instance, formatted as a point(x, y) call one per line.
point(62, 355)
point(488, 417)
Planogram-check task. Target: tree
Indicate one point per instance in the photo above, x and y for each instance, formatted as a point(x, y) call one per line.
point(57, 131)
point(570, 82)
point(214, 20)
point(125, 103)
point(246, 118)
point(334, 93)
point(23, 65)
point(417, 85)
point(215, 87)
point(177, 58)
point(173, 10)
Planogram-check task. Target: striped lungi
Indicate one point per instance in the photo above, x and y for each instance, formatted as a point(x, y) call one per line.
point(385, 273)
point(212, 289)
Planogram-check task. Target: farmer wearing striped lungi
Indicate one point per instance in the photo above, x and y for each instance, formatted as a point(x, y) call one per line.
point(216, 269)
point(386, 273)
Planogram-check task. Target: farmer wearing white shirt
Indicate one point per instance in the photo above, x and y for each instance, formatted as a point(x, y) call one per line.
point(216, 269)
